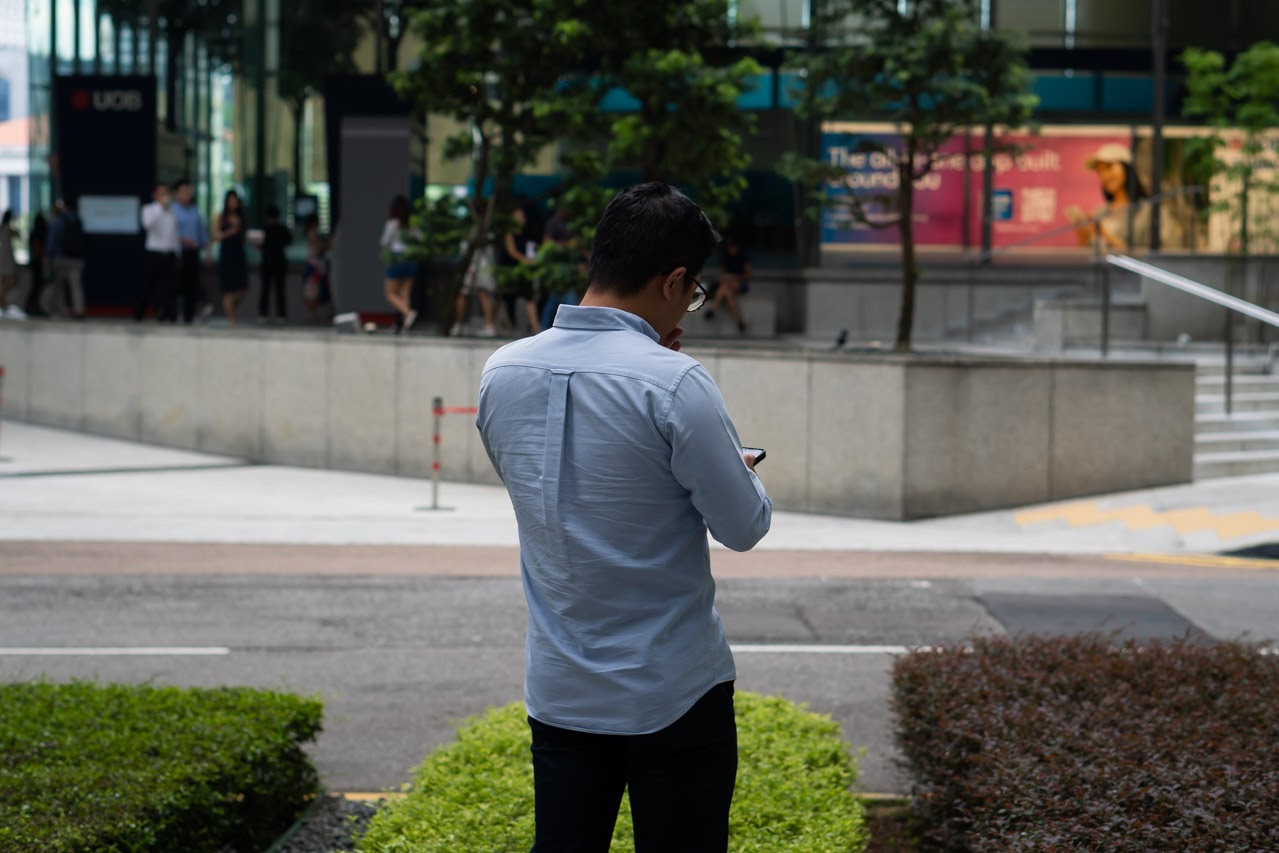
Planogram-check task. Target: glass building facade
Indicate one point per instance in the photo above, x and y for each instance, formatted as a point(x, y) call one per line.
point(193, 87)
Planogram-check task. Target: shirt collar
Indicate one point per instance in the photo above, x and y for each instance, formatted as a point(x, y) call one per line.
point(597, 318)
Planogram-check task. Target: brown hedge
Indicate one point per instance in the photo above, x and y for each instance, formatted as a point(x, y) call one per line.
point(1080, 743)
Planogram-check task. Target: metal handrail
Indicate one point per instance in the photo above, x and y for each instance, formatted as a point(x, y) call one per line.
point(985, 256)
point(1232, 304)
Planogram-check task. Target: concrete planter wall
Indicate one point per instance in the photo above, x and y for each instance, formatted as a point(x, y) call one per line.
point(880, 437)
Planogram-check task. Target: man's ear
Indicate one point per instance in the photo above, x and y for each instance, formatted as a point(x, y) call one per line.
point(672, 286)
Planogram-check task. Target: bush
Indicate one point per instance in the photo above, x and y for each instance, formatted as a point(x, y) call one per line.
point(86, 767)
point(1073, 743)
point(793, 780)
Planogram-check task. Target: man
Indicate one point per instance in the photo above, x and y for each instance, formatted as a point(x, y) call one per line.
point(160, 266)
point(618, 455)
point(66, 252)
point(194, 237)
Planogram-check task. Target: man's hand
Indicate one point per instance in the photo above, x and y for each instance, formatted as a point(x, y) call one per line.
point(671, 341)
point(749, 459)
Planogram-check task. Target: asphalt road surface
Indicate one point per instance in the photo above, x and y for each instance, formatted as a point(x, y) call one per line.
point(403, 642)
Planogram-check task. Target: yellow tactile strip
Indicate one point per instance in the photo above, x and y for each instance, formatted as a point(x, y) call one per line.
point(1206, 560)
point(1142, 517)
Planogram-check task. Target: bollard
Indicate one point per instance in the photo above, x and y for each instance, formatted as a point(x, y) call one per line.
point(438, 411)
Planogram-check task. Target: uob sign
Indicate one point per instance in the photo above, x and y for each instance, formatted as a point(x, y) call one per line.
point(117, 100)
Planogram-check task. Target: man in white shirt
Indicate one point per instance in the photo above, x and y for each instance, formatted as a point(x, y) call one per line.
point(163, 248)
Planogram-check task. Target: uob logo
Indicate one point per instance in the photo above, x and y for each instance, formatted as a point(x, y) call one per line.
point(117, 101)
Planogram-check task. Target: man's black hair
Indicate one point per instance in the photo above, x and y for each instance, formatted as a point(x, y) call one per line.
point(647, 230)
point(180, 183)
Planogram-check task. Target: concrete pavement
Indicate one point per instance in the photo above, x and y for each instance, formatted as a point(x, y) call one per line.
point(59, 486)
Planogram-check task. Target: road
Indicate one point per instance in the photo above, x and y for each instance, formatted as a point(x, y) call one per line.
point(404, 641)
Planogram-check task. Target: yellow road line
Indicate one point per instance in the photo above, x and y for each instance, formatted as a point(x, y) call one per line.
point(1206, 560)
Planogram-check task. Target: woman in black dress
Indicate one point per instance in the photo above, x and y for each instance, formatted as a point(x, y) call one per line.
point(233, 266)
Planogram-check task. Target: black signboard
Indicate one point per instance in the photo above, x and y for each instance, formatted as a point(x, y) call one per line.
point(105, 139)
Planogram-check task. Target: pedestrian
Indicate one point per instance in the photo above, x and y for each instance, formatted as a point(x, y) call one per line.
point(511, 255)
point(734, 279)
point(275, 239)
point(619, 455)
point(163, 247)
point(481, 279)
point(400, 269)
point(315, 275)
point(556, 233)
point(8, 266)
point(66, 254)
point(233, 264)
point(194, 237)
point(37, 247)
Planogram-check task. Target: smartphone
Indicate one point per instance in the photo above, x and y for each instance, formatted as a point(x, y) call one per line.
point(758, 452)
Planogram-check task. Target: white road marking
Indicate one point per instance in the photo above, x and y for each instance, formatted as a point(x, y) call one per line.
point(108, 651)
point(822, 649)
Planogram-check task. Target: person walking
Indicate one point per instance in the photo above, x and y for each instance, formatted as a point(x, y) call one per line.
point(619, 456)
point(159, 272)
point(8, 267)
point(194, 237)
point(512, 254)
point(734, 279)
point(400, 269)
point(65, 293)
point(275, 239)
point(37, 248)
point(315, 275)
point(233, 263)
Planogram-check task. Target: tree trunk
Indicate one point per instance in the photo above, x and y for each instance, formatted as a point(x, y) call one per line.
point(299, 119)
point(906, 226)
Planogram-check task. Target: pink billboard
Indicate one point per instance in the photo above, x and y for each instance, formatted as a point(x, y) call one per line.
point(1040, 189)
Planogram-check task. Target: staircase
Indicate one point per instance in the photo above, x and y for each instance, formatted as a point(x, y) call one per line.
point(1245, 441)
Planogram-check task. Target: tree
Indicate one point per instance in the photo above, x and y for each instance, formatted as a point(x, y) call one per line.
point(317, 38)
point(928, 68)
point(493, 66)
point(1244, 96)
point(673, 58)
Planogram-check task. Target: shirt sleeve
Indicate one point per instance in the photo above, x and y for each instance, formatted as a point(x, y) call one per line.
point(151, 214)
point(706, 459)
point(388, 233)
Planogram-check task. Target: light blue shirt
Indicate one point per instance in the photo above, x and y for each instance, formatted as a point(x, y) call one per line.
point(618, 455)
point(190, 225)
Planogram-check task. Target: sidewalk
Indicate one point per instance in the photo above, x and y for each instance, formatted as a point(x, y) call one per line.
point(60, 486)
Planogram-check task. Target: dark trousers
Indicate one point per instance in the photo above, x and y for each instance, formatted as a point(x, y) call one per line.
point(680, 781)
point(159, 277)
point(37, 284)
point(189, 284)
point(272, 282)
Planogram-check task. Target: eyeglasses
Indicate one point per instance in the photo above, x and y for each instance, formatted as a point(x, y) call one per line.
point(699, 296)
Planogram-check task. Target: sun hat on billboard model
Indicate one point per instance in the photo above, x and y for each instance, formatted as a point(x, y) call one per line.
point(1111, 152)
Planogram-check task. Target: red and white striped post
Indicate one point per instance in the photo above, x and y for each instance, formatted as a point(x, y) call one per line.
point(438, 411)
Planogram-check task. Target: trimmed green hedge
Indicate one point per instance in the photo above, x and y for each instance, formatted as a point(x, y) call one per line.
point(1073, 743)
point(114, 768)
point(793, 780)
